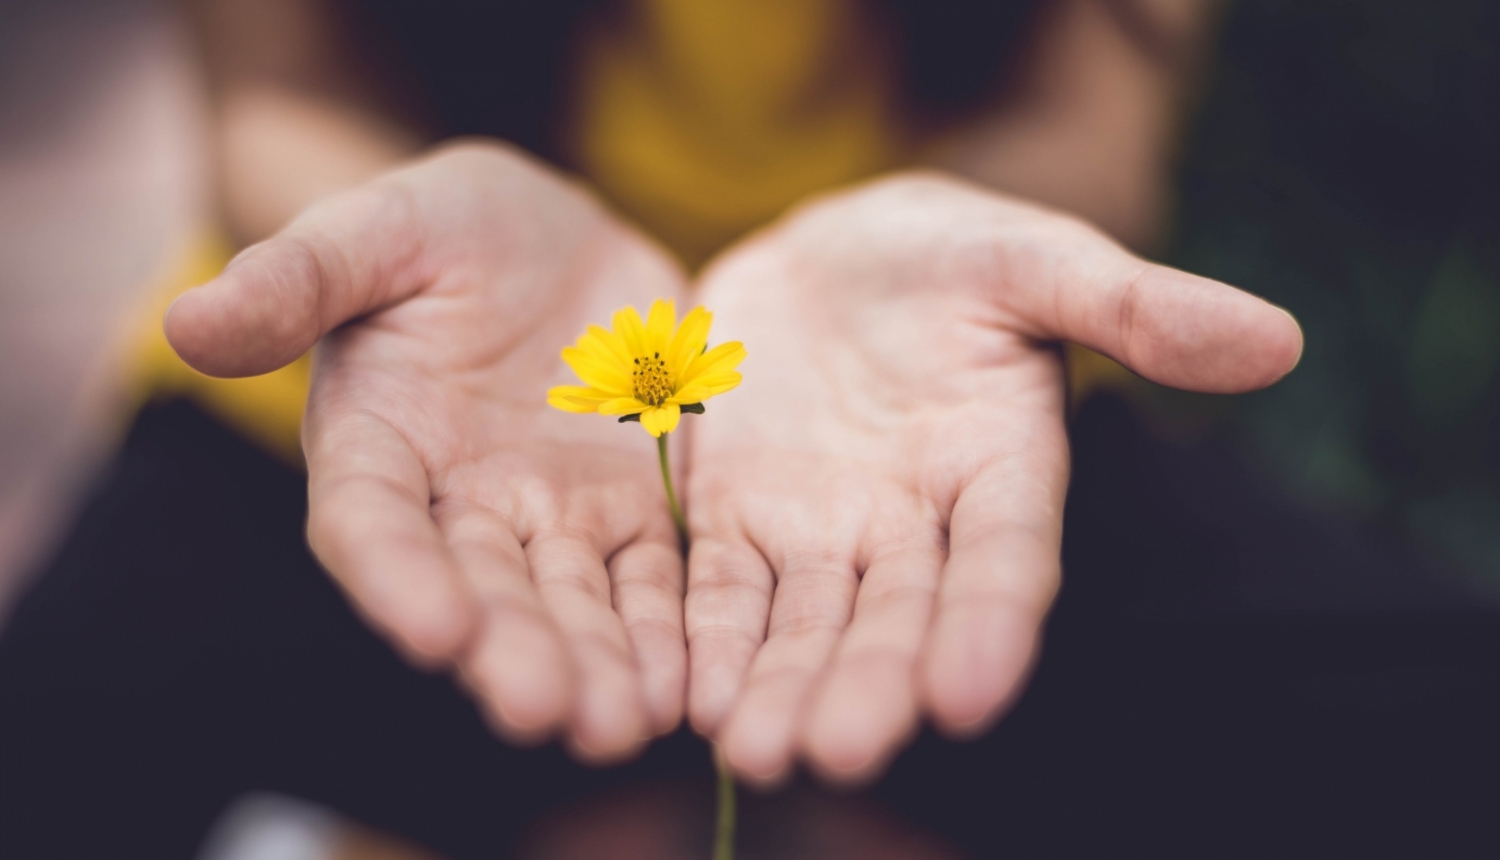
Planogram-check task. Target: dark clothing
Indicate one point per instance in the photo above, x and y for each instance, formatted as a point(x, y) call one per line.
point(185, 648)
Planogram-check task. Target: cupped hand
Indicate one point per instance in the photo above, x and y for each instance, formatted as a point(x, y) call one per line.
point(877, 512)
point(530, 550)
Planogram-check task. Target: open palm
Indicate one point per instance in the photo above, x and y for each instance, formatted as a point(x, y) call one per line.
point(877, 512)
point(531, 550)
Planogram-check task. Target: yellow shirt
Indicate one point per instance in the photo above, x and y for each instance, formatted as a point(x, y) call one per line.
point(699, 119)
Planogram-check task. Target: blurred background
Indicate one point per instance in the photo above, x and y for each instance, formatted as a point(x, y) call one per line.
point(103, 178)
point(1342, 166)
point(1281, 609)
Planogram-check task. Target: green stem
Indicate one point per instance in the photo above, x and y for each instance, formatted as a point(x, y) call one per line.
point(666, 478)
point(724, 824)
point(724, 831)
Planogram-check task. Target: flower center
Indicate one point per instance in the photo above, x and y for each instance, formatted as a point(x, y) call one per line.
point(652, 385)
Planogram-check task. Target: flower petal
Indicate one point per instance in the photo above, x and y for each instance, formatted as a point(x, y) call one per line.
point(724, 357)
point(704, 387)
point(632, 332)
point(600, 374)
point(576, 398)
point(659, 325)
point(661, 419)
point(622, 406)
point(689, 340)
point(605, 345)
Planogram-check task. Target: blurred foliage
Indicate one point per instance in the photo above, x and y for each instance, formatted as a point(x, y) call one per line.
point(1345, 164)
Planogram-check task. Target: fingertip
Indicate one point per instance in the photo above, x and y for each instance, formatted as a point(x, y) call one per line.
point(704, 722)
point(188, 331)
point(603, 740)
point(1261, 345)
point(1198, 334)
point(851, 772)
point(849, 739)
point(662, 663)
point(434, 636)
point(174, 331)
point(665, 691)
point(840, 753)
point(758, 746)
point(430, 625)
point(258, 315)
point(1284, 345)
point(523, 678)
point(706, 707)
point(974, 668)
point(758, 768)
point(605, 754)
point(609, 723)
point(663, 724)
point(523, 728)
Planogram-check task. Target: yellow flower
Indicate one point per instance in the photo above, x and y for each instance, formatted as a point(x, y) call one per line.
point(655, 370)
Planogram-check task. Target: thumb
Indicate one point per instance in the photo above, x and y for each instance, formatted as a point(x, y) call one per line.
point(347, 256)
point(1169, 326)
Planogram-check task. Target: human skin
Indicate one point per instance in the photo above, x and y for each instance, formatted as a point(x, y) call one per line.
point(877, 511)
point(301, 124)
point(529, 551)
